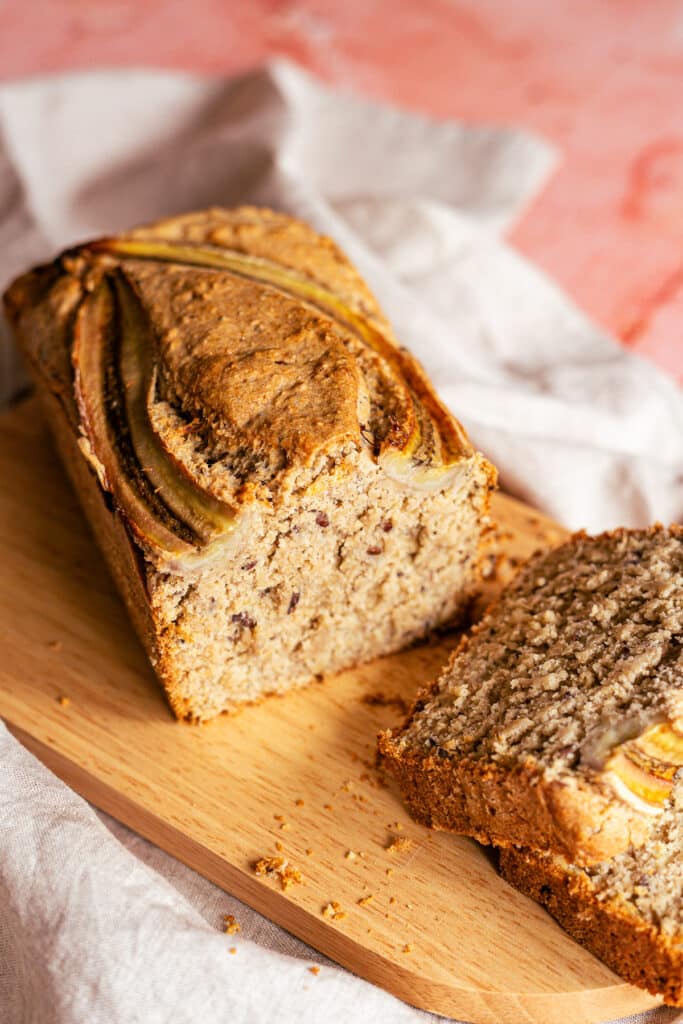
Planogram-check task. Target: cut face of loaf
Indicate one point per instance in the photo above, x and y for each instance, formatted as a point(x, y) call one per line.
point(627, 911)
point(558, 725)
point(277, 489)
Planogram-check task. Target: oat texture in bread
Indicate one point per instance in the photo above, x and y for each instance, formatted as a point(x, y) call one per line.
point(277, 489)
point(628, 911)
point(558, 725)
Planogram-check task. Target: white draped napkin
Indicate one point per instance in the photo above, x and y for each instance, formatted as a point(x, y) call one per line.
point(97, 925)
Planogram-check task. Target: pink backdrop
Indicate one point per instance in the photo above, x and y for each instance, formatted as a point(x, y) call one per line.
point(603, 80)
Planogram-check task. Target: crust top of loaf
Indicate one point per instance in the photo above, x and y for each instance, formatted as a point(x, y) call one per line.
point(260, 360)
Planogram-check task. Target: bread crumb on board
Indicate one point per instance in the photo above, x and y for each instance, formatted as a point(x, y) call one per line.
point(398, 844)
point(63, 701)
point(314, 970)
point(333, 911)
point(408, 948)
point(233, 950)
point(281, 868)
point(230, 925)
point(365, 900)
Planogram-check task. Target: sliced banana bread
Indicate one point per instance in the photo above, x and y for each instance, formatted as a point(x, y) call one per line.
point(558, 725)
point(276, 486)
point(627, 911)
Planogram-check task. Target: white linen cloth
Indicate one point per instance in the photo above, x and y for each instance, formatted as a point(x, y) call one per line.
point(96, 924)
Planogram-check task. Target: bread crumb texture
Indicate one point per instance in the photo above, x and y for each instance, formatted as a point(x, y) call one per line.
point(281, 868)
point(333, 911)
point(581, 655)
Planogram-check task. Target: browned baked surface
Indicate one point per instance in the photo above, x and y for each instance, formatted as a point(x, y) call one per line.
point(277, 488)
point(497, 804)
point(557, 724)
point(634, 947)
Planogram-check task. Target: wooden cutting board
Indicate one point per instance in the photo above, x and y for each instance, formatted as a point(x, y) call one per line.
point(292, 777)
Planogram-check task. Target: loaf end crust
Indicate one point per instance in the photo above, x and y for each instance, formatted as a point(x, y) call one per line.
point(633, 948)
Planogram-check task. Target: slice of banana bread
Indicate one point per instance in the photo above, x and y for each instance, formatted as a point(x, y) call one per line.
point(276, 486)
point(558, 725)
point(627, 911)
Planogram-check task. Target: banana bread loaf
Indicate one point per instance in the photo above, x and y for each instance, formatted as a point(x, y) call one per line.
point(276, 487)
point(558, 725)
point(627, 911)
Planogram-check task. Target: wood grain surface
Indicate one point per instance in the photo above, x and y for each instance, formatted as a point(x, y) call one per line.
point(294, 777)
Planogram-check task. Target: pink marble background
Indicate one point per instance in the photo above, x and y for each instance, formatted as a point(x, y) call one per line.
point(603, 79)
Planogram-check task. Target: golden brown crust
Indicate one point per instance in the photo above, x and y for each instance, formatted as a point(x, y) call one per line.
point(266, 233)
point(275, 378)
point(121, 554)
point(510, 806)
point(259, 376)
point(630, 946)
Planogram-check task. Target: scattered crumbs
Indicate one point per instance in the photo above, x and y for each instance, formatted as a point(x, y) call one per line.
point(233, 950)
point(398, 826)
point(63, 701)
point(328, 807)
point(392, 900)
point(409, 906)
point(281, 868)
point(333, 911)
point(309, 852)
point(380, 699)
point(231, 927)
point(314, 970)
point(347, 786)
point(398, 844)
point(285, 826)
point(408, 948)
point(375, 781)
point(389, 871)
point(279, 817)
point(278, 845)
point(299, 802)
point(369, 931)
point(55, 645)
point(365, 900)
point(349, 855)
